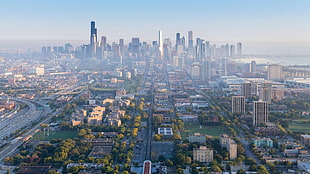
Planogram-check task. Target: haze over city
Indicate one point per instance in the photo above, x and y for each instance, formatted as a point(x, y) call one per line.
point(261, 23)
point(155, 87)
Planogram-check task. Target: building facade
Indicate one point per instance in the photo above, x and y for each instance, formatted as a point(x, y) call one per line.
point(203, 154)
point(260, 113)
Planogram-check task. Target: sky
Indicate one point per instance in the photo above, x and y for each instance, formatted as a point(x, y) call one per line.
point(214, 20)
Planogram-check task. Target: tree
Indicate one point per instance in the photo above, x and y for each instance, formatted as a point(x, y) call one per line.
point(169, 162)
point(180, 159)
point(253, 167)
point(157, 137)
point(216, 168)
point(82, 132)
point(262, 170)
point(188, 160)
point(179, 171)
point(240, 149)
point(52, 172)
point(161, 158)
point(241, 171)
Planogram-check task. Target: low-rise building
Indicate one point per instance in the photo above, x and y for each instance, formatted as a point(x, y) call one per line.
point(197, 137)
point(305, 140)
point(304, 165)
point(260, 142)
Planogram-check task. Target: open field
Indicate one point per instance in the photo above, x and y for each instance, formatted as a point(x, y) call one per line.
point(55, 135)
point(301, 121)
point(214, 131)
point(300, 127)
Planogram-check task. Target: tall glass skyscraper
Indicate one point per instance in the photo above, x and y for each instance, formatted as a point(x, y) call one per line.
point(93, 39)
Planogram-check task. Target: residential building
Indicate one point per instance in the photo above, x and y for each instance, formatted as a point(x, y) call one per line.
point(305, 140)
point(260, 113)
point(238, 104)
point(230, 145)
point(261, 142)
point(203, 154)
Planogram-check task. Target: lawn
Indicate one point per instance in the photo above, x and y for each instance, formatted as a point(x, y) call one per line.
point(214, 131)
point(55, 135)
point(301, 121)
point(300, 125)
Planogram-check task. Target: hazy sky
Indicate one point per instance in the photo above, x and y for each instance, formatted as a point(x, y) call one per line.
point(216, 20)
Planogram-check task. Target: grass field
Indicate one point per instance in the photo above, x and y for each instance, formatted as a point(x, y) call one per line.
point(55, 135)
point(302, 121)
point(214, 131)
point(300, 125)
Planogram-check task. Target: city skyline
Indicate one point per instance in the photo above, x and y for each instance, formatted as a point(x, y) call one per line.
point(255, 21)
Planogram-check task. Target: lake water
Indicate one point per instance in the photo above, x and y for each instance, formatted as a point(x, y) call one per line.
point(282, 60)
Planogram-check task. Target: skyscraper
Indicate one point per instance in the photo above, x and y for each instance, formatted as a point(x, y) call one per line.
point(232, 50)
point(121, 44)
point(238, 104)
point(160, 43)
point(178, 39)
point(227, 50)
point(253, 66)
point(103, 43)
point(190, 39)
point(93, 39)
point(265, 91)
point(135, 43)
point(248, 89)
point(190, 43)
point(274, 72)
point(239, 49)
point(260, 113)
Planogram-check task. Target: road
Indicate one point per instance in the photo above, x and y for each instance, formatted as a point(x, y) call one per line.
point(33, 114)
point(16, 121)
point(15, 143)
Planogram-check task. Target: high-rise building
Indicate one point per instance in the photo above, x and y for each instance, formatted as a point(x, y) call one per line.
point(117, 53)
point(265, 91)
point(93, 39)
point(248, 89)
point(183, 41)
point(274, 72)
point(232, 50)
point(230, 145)
point(103, 43)
point(253, 66)
point(260, 113)
point(160, 43)
point(195, 69)
point(178, 39)
point(200, 50)
point(239, 49)
point(238, 104)
point(167, 50)
point(121, 44)
point(226, 52)
point(135, 43)
point(190, 42)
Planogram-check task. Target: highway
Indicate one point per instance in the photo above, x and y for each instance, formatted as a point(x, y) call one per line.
point(16, 121)
point(25, 120)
